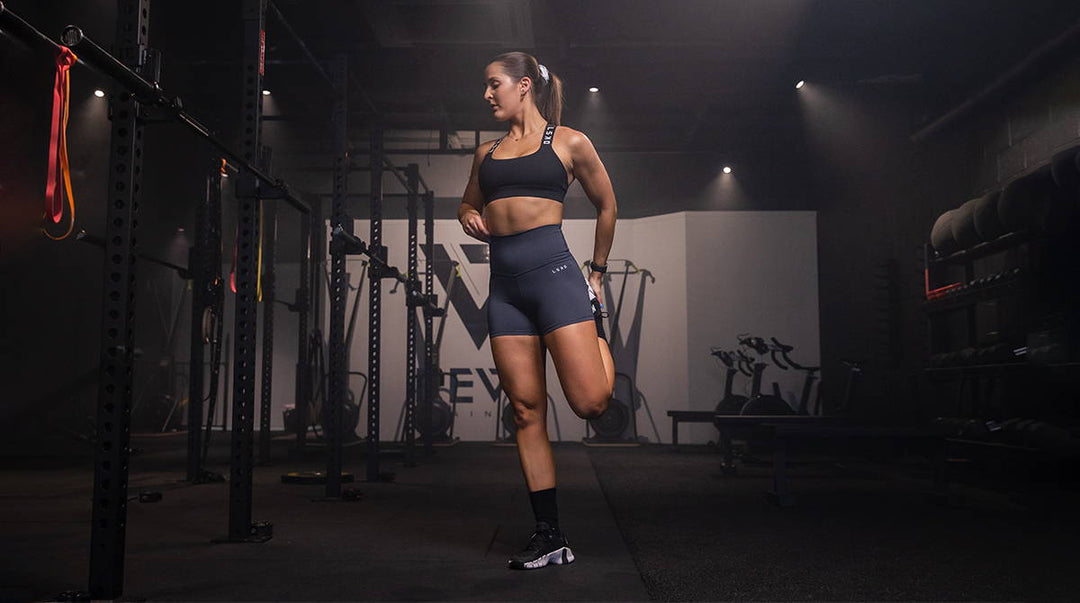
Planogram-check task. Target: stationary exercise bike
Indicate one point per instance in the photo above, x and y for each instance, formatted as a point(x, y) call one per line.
point(759, 403)
point(731, 403)
point(786, 362)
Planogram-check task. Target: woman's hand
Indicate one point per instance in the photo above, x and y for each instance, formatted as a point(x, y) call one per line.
point(473, 225)
point(596, 281)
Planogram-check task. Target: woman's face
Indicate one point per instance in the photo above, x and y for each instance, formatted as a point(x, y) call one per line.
point(502, 93)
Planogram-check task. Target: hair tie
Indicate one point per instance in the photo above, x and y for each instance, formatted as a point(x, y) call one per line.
point(544, 73)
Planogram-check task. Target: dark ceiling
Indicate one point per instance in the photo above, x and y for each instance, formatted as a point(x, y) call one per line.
point(676, 74)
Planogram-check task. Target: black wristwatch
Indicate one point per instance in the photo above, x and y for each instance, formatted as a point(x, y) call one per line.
point(597, 267)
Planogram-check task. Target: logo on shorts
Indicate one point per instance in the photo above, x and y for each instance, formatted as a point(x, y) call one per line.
point(559, 269)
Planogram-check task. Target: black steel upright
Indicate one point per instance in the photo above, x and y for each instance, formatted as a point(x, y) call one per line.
point(339, 286)
point(205, 267)
point(316, 277)
point(316, 294)
point(375, 273)
point(269, 243)
point(303, 305)
point(412, 175)
point(109, 527)
point(432, 373)
point(246, 306)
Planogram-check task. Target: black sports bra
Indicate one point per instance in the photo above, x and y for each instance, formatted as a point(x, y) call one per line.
point(540, 174)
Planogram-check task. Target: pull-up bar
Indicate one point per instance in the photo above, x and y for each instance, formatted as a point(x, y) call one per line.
point(92, 55)
point(28, 34)
point(151, 93)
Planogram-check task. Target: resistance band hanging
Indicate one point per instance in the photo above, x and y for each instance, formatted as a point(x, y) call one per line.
point(258, 269)
point(59, 180)
point(232, 268)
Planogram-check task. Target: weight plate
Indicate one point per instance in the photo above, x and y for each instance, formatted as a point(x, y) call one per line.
point(613, 423)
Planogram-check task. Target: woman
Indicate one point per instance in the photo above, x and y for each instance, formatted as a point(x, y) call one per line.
point(538, 300)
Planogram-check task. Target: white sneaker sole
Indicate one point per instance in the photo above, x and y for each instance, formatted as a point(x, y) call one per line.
point(561, 556)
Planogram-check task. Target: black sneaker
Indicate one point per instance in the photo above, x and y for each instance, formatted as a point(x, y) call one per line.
point(546, 546)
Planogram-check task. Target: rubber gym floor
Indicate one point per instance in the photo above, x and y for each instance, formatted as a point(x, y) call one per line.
point(646, 523)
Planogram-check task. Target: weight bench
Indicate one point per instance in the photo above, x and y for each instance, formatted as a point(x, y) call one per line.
point(784, 433)
point(728, 424)
point(687, 416)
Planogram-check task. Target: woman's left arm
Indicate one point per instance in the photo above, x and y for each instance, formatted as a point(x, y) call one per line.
point(594, 179)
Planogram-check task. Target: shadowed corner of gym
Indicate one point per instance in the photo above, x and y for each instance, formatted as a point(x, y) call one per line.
point(857, 127)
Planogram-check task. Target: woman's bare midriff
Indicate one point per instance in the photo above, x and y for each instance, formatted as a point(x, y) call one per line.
point(511, 215)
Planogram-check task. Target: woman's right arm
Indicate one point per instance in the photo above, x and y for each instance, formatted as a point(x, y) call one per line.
point(472, 202)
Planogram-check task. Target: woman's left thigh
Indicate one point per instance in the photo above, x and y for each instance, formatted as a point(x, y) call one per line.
point(575, 351)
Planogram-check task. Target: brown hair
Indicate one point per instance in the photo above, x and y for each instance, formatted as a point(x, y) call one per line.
point(547, 94)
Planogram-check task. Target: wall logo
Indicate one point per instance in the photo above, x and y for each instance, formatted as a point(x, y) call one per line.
point(473, 315)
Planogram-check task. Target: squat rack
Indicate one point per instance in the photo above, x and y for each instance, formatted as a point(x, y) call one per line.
point(343, 243)
point(134, 69)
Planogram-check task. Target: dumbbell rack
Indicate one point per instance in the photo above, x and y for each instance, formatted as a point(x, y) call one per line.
point(982, 304)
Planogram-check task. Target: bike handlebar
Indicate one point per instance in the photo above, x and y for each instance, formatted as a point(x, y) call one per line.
point(780, 353)
point(746, 363)
point(783, 350)
point(754, 343)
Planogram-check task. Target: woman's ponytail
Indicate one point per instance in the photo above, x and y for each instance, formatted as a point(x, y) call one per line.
point(550, 100)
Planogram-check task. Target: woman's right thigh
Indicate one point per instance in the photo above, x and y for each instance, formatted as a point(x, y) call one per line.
point(520, 361)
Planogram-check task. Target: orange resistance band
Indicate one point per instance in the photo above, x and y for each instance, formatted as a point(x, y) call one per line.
point(59, 179)
point(235, 251)
point(258, 269)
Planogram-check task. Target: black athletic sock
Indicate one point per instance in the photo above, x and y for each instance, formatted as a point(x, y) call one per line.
point(544, 507)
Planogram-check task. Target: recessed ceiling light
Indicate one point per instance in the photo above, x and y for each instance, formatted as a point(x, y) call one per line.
point(99, 93)
point(727, 169)
point(266, 93)
point(594, 89)
point(800, 84)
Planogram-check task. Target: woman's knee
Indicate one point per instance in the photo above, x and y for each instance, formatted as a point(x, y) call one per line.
point(591, 406)
point(528, 413)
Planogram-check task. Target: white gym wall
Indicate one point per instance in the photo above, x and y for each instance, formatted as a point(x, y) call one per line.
point(748, 272)
point(717, 274)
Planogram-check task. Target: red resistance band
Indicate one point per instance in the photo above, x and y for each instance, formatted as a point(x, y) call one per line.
point(54, 187)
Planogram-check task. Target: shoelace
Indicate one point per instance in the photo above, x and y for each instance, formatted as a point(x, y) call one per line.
point(538, 540)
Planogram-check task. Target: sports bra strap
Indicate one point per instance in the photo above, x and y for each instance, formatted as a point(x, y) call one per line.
point(549, 133)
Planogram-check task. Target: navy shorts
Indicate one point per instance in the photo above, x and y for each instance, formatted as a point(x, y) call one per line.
point(536, 285)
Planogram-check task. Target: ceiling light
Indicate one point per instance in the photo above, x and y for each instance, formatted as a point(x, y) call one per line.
point(99, 93)
point(594, 89)
point(800, 84)
point(266, 93)
point(727, 169)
